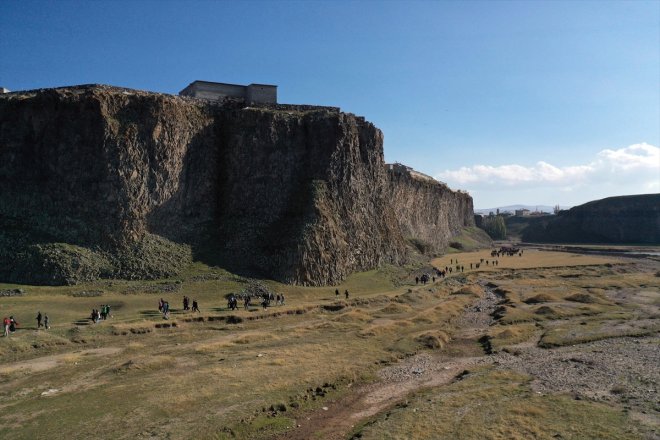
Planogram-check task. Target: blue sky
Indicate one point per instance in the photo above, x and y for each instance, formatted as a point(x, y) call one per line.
point(534, 102)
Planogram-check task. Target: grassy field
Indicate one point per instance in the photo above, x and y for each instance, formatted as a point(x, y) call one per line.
point(257, 373)
point(495, 405)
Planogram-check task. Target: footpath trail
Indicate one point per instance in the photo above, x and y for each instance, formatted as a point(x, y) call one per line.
point(425, 370)
point(47, 362)
point(627, 365)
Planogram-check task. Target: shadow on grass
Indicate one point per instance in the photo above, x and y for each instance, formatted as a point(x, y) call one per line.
point(150, 313)
point(85, 321)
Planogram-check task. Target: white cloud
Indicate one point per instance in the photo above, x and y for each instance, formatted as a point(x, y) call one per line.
point(637, 164)
point(638, 156)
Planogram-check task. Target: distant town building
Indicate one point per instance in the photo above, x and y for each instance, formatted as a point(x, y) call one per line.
point(522, 212)
point(3, 90)
point(253, 93)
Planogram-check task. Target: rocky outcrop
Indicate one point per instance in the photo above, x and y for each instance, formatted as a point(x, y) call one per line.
point(623, 220)
point(99, 181)
point(428, 212)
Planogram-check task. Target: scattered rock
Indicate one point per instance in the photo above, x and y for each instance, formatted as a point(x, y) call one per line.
point(12, 292)
point(50, 392)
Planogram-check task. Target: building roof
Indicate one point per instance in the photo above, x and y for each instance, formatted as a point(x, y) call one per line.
point(227, 84)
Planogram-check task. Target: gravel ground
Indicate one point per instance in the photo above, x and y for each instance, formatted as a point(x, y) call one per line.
point(624, 370)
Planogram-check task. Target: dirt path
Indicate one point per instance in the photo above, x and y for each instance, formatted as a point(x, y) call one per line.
point(47, 362)
point(336, 420)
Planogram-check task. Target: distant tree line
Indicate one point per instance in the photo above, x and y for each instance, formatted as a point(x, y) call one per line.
point(494, 227)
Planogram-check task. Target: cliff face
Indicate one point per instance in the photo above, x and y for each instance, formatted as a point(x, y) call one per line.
point(97, 181)
point(426, 209)
point(625, 220)
point(303, 195)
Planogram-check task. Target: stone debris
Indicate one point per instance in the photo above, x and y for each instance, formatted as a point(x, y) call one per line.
point(153, 288)
point(50, 392)
point(12, 292)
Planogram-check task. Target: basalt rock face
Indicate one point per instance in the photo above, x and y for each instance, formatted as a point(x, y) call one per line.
point(303, 195)
point(623, 220)
point(428, 212)
point(98, 181)
point(83, 171)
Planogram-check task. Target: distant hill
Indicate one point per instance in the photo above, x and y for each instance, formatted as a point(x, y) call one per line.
point(623, 220)
point(513, 208)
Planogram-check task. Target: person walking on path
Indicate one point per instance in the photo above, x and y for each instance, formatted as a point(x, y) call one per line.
point(6, 324)
point(346, 293)
point(195, 306)
point(336, 293)
point(39, 320)
point(46, 322)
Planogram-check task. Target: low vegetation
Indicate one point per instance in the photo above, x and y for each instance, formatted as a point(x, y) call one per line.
point(258, 374)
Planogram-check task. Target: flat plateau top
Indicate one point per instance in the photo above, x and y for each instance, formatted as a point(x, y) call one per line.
point(82, 89)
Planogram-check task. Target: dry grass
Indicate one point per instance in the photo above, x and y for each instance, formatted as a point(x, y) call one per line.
point(205, 376)
point(497, 405)
point(579, 333)
point(433, 339)
point(531, 258)
point(505, 336)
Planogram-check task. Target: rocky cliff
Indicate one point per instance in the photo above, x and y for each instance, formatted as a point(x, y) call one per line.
point(428, 212)
point(624, 220)
point(99, 181)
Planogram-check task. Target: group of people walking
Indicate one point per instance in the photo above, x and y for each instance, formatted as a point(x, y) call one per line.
point(164, 306)
point(9, 325)
point(346, 294)
point(43, 321)
point(100, 314)
point(186, 304)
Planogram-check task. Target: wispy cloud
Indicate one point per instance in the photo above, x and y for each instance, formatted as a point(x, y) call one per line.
point(638, 163)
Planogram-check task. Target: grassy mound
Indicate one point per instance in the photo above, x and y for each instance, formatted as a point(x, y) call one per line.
point(433, 339)
point(57, 264)
point(60, 264)
point(540, 298)
point(470, 238)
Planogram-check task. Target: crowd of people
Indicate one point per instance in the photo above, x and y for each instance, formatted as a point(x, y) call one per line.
point(100, 314)
point(266, 299)
point(460, 268)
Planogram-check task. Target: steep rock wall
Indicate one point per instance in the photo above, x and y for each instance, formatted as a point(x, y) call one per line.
point(624, 219)
point(301, 195)
point(98, 181)
point(426, 209)
point(86, 167)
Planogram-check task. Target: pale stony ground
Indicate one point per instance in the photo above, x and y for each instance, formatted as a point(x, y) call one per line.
point(621, 371)
point(624, 370)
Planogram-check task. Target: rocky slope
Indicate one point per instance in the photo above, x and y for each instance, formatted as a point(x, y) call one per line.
point(624, 220)
point(99, 181)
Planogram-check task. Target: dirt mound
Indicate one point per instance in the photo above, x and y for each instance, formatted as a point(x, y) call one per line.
point(547, 312)
point(584, 298)
point(474, 290)
point(355, 315)
point(396, 308)
point(540, 298)
point(433, 339)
